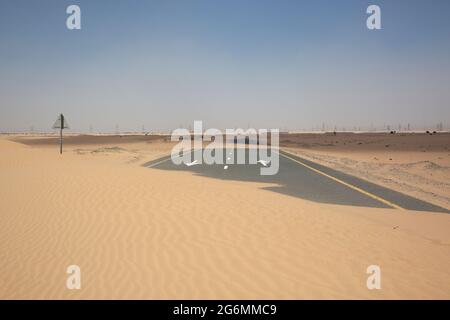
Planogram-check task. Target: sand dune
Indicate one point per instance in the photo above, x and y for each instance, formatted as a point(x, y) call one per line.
point(146, 233)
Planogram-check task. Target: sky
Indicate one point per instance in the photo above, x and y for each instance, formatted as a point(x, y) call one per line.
point(160, 65)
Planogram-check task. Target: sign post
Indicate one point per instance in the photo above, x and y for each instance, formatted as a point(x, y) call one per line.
point(60, 124)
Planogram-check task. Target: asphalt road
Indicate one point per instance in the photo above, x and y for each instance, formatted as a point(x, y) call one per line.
point(308, 180)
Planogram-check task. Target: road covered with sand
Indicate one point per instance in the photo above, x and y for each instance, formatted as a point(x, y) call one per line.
point(146, 233)
point(417, 164)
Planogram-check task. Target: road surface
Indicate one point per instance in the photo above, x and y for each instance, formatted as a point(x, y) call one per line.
point(308, 180)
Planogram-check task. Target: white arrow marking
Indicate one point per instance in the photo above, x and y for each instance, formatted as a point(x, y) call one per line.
point(192, 163)
point(264, 162)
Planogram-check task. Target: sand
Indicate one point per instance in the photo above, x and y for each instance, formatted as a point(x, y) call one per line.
point(145, 233)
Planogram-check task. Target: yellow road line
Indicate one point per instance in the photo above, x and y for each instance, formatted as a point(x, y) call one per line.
point(371, 195)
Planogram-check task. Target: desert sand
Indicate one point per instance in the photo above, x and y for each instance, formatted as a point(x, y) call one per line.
point(145, 233)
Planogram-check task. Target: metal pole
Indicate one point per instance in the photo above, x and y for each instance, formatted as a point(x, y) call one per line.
point(60, 134)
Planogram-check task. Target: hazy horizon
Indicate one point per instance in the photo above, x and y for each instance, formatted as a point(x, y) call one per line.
point(156, 65)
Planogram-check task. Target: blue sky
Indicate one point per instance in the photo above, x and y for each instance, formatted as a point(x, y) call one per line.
point(272, 64)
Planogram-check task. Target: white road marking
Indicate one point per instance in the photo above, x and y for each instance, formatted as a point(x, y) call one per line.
point(264, 162)
point(193, 163)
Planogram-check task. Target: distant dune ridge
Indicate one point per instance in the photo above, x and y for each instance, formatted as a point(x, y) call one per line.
point(138, 233)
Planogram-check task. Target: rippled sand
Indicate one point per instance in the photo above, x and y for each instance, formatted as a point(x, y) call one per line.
point(146, 233)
